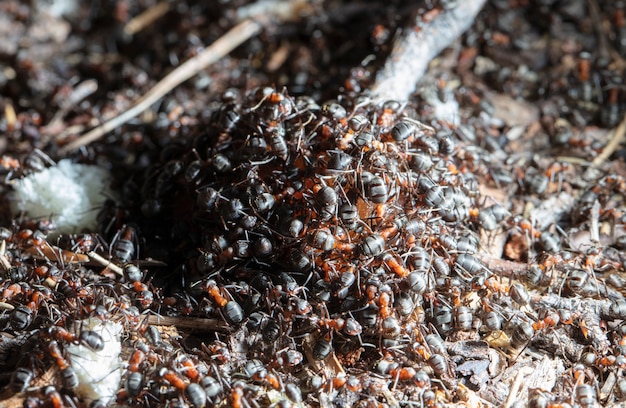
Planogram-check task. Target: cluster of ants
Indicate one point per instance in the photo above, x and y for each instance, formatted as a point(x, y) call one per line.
point(310, 255)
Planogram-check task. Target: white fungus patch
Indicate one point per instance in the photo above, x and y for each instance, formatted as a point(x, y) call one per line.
point(99, 372)
point(68, 193)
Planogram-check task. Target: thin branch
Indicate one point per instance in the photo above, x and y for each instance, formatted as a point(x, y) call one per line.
point(105, 262)
point(4, 262)
point(417, 46)
point(517, 383)
point(224, 45)
point(617, 137)
point(146, 18)
point(52, 253)
point(603, 43)
point(196, 323)
point(502, 267)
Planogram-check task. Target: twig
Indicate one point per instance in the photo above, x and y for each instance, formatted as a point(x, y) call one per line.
point(514, 390)
point(617, 137)
point(417, 46)
point(4, 263)
point(52, 253)
point(554, 301)
point(594, 228)
point(603, 43)
point(225, 44)
point(10, 116)
point(145, 18)
point(502, 267)
point(105, 262)
point(291, 10)
point(77, 94)
point(189, 323)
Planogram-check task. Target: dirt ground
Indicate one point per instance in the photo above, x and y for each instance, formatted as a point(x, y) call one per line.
point(281, 234)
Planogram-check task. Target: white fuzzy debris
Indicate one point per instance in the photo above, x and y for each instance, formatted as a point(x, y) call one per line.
point(99, 372)
point(57, 8)
point(69, 193)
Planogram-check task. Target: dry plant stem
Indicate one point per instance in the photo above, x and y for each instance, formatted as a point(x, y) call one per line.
point(189, 323)
point(52, 253)
point(594, 228)
point(10, 116)
point(554, 301)
point(603, 44)
point(105, 262)
point(4, 262)
point(417, 46)
point(146, 18)
point(616, 137)
point(515, 388)
point(502, 267)
point(225, 44)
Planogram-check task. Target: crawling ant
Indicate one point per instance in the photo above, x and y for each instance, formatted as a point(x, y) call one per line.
point(21, 379)
point(232, 310)
point(90, 338)
point(124, 244)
